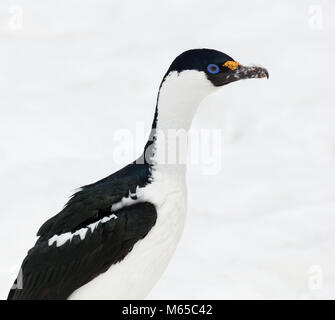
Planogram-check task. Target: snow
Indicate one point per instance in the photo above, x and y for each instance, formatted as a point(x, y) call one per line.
point(79, 71)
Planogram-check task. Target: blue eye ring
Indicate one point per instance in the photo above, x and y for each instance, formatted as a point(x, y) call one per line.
point(213, 68)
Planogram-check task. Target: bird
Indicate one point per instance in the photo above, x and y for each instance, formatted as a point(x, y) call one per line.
point(114, 238)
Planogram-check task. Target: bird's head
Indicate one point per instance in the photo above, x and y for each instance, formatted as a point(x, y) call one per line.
point(215, 66)
point(191, 77)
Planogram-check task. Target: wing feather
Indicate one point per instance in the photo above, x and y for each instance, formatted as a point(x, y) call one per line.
point(51, 272)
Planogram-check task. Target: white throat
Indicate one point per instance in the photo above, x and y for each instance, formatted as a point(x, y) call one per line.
point(178, 100)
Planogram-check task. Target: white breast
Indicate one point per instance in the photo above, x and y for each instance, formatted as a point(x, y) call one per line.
point(135, 276)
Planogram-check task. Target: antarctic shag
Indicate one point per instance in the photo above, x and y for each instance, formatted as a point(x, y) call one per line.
point(114, 238)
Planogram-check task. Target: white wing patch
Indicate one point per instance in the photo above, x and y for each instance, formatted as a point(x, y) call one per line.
point(124, 202)
point(64, 237)
point(131, 199)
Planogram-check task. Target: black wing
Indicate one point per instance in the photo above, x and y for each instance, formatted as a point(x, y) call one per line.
point(54, 273)
point(50, 272)
point(93, 201)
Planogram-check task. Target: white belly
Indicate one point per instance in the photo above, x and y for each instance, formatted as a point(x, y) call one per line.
point(138, 272)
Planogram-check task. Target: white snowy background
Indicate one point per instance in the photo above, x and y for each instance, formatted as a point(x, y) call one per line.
point(74, 72)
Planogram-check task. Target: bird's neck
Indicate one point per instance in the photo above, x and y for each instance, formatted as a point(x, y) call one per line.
point(178, 99)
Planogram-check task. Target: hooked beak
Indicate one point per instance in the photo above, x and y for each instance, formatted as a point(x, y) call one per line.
point(243, 72)
point(239, 72)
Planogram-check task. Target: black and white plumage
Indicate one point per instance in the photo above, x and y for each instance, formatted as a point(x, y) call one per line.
point(114, 238)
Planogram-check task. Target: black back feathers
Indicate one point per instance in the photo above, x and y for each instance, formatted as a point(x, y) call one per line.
point(51, 272)
point(54, 273)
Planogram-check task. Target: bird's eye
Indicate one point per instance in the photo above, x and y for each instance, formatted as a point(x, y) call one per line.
point(213, 68)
